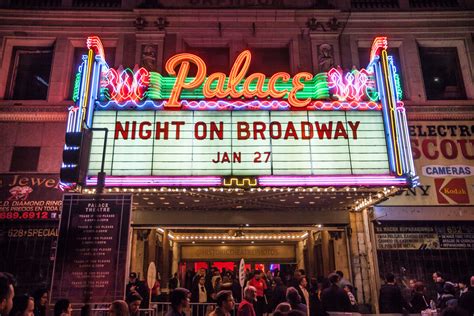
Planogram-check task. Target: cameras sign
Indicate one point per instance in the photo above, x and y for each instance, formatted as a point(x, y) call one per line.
point(228, 143)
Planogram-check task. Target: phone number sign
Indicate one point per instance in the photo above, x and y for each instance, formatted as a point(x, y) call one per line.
point(233, 143)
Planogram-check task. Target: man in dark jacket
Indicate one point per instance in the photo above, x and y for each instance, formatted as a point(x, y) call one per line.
point(390, 298)
point(334, 299)
point(135, 286)
point(466, 301)
point(279, 293)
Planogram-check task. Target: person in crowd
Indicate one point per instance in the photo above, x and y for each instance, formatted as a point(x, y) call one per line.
point(349, 289)
point(282, 309)
point(466, 301)
point(7, 292)
point(342, 281)
point(41, 302)
point(279, 293)
point(225, 304)
point(173, 283)
point(201, 273)
point(390, 297)
point(294, 299)
point(156, 290)
point(62, 308)
point(246, 306)
point(439, 281)
point(448, 294)
point(236, 288)
point(118, 308)
point(316, 292)
point(333, 298)
point(179, 300)
point(217, 287)
point(188, 279)
point(408, 290)
point(216, 275)
point(199, 294)
point(135, 286)
point(134, 302)
point(418, 301)
point(462, 287)
point(303, 292)
point(259, 283)
point(23, 305)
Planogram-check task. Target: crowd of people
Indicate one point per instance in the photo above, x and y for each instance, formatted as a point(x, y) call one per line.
point(451, 298)
point(264, 293)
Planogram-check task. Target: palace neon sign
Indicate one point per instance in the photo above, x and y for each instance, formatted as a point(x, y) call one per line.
point(299, 91)
point(377, 90)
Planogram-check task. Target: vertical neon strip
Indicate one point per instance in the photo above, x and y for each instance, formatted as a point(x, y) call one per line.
point(411, 164)
point(81, 105)
point(391, 107)
point(85, 104)
point(385, 112)
point(69, 120)
point(397, 127)
point(93, 91)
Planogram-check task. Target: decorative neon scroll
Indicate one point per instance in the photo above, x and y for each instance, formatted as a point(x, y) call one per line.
point(127, 85)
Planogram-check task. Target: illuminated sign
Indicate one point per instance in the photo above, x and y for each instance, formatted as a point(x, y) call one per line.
point(331, 128)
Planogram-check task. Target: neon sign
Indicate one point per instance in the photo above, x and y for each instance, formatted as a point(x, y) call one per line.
point(350, 127)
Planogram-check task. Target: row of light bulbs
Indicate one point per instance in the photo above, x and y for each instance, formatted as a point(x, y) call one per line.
point(360, 205)
point(212, 189)
point(246, 237)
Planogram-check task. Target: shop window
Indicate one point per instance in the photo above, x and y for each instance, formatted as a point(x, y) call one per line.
point(270, 60)
point(77, 60)
point(442, 73)
point(216, 58)
point(25, 159)
point(30, 73)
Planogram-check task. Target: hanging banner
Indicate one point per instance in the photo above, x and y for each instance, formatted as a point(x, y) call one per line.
point(93, 241)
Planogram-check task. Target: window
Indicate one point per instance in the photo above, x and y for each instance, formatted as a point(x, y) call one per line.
point(216, 59)
point(270, 60)
point(25, 159)
point(77, 60)
point(30, 72)
point(442, 73)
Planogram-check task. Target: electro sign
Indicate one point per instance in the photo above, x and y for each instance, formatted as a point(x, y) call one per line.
point(331, 128)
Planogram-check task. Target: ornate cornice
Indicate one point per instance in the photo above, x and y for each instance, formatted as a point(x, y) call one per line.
point(33, 114)
point(440, 113)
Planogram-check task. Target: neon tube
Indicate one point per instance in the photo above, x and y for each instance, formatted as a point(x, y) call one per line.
point(357, 180)
point(159, 181)
point(237, 105)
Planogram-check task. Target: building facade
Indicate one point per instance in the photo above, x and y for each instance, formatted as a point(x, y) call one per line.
point(431, 43)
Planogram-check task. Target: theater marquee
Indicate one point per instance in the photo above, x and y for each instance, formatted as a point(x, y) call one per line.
point(331, 128)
